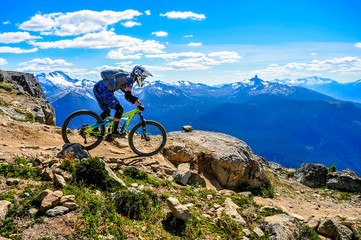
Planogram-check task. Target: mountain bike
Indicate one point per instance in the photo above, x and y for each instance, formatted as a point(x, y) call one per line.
point(87, 128)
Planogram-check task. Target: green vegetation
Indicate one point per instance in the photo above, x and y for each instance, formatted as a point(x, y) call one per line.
point(309, 233)
point(21, 170)
point(266, 190)
point(6, 86)
point(287, 172)
point(30, 117)
point(4, 103)
point(332, 168)
point(18, 111)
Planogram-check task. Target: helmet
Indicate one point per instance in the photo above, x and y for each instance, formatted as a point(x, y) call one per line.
point(140, 73)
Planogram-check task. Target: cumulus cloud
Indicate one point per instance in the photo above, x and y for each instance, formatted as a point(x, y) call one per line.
point(105, 39)
point(226, 56)
point(16, 50)
point(358, 45)
point(130, 24)
point(160, 34)
point(16, 37)
point(76, 23)
point(183, 15)
point(3, 61)
point(46, 62)
point(6, 22)
point(201, 63)
point(194, 44)
point(119, 54)
point(147, 12)
point(168, 56)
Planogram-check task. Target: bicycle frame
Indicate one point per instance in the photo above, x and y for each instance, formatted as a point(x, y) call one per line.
point(110, 122)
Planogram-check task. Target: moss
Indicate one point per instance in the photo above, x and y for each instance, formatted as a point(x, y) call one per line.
point(6, 86)
point(29, 117)
point(4, 103)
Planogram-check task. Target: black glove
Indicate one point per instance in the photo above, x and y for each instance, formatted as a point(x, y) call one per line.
point(140, 107)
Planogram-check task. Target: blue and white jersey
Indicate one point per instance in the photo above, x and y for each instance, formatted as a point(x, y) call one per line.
point(118, 83)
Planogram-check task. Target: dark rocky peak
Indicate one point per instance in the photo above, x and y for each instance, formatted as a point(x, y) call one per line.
point(24, 83)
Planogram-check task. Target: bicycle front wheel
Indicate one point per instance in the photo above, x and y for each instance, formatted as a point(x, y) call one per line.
point(83, 127)
point(148, 139)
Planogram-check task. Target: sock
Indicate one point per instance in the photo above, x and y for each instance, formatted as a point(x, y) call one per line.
point(116, 124)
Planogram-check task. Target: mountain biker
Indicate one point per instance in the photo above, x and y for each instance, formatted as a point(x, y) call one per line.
point(114, 80)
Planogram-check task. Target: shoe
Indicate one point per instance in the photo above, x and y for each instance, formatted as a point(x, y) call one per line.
point(111, 137)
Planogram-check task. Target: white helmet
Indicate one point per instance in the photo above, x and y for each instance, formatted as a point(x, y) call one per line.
point(140, 73)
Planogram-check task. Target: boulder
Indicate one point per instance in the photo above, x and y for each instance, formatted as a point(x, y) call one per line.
point(59, 180)
point(183, 174)
point(335, 230)
point(48, 173)
point(40, 197)
point(67, 198)
point(312, 175)
point(70, 205)
point(282, 226)
point(56, 211)
point(345, 180)
point(51, 200)
point(187, 128)
point(179, 211)
point(4, 208)
point(74, 150)
point(224, 158)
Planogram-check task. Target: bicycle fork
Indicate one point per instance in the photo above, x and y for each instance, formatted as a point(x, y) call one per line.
point(143, 127)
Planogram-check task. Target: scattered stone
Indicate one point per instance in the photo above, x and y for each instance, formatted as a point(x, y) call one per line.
point(33, 211)
point(313, 222)
point(189, 205)
point(141, 187)
point(246, 194)
point(179, 211)
point(258, 232)
point(74, 150)
point(66, 175)
point(48, 174)
point(12, 181)
point(297, 217)
point(59, 180)
point(183, 174)
point(227, 192)
point(230, 209)
point(67, 198)
point(120, 143)
point(135, 185)
point(335, 230)
point(26, 194)
point(345, 180)
point(269, 209)
point(70, 205)
point(56, 211)
point(209, 196)
point(51, 200)
point(4, 208)
point(40, 197)
point(282, 226)
point(246, 232)
point(187, 128)
point(312, 175)
point(206, 215)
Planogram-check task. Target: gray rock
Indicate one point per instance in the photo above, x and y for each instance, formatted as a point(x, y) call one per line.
point(230, 209)
point(179, 211)
point(313, 222)
point(183, 174)
point(282, 226)
point(112, 174)
point(33, 211)
point(12, 181)
point(345, 180)
point(48, 173)
point(196, 178)
point(74, 149)
point(227, 159)
point(334, 230)
point(59, 180)
point(187, 128)
point(4, 208)
point(70, 205)
point(312, 175)
point(67, 198)
point(56, 211)
point(40, 197)
point(274, 166)
point(51, 200)
point(246, 194)
point(258, 232)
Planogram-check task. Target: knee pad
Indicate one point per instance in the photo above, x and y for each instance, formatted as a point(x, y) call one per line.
point(118, 111)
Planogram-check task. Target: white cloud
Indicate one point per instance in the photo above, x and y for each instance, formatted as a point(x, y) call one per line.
point(126, 66)
point(106, 39)
point(160, 34)
point(3, 61)
point(168, 56)
point(183, 15)
point(6, 22)
point(119, 54)
point(226, 56)
point(16, 50)
point(76, 23)
point(188, 36)
point(358, 45)
point(194, 44)
point(313, 54)
point(201, 63)
point(16, 37)
point(147, 12)
point(46, 62)
point(130, 24)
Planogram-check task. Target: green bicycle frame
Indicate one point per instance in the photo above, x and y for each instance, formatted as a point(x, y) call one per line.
point(110, 123)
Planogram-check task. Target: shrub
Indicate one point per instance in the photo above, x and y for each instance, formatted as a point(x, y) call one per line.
point(92, 172)
point(6, 86)
point(4, 103)
point(137, 206)
point(19, 171)
point(332, 168)
point(136, 174)
point(266, 189)
point(309, 233)
point(30, 117)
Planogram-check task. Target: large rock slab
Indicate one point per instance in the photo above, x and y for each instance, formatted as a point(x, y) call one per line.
point(345, 180)
point(312, 175)
point(282, 226)
point(335, 230)
point(230, 209)
point(75, 150)
point(229, 160)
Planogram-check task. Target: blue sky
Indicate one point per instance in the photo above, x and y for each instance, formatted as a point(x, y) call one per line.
point(211, 42)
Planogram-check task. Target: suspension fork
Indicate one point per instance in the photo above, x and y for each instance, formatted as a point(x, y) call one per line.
point(143, 127)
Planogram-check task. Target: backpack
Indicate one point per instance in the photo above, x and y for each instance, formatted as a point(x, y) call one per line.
point(112, 73)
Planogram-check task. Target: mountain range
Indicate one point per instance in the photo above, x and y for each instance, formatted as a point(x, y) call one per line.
point(285, 123)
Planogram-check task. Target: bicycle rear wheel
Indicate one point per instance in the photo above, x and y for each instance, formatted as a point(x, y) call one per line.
point(83, 127)
point(149, 140)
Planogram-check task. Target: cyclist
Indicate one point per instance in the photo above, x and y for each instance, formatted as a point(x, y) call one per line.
point(114, 80)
